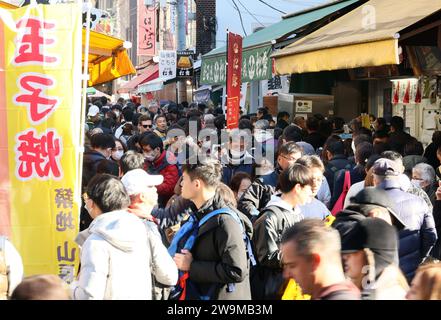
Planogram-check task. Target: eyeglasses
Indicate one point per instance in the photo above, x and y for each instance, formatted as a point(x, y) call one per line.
point(317, 179)
point(288, 158)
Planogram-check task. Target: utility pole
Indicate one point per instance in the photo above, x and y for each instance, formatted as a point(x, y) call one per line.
point(181, 84)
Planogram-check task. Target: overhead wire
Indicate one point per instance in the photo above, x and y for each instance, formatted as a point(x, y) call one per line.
point(240, 16)
point(267, 4)
point(252, 15)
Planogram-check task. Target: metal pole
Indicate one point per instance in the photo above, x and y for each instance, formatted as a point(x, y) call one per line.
point(85, 78)
point(181, 24)
point(181, 45)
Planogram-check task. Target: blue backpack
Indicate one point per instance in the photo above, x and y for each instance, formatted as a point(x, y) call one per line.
point(185, 239)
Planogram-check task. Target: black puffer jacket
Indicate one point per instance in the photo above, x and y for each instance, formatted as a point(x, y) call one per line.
point(419, 236)
point(267, 279)
point(220, 255)
point(254, 200)
point(91, 160)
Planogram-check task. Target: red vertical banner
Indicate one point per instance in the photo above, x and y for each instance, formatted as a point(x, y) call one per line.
point(234, 80)
point(146, 29)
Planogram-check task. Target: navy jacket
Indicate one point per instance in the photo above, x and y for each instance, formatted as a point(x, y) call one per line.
point(230, 169)
point(418, 238)
point(357, 174)
point(337, 163)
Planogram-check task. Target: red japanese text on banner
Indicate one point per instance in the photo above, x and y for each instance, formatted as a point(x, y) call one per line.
point(40, 69)
point(234, 80)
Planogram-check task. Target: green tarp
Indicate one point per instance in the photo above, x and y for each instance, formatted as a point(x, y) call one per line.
point(256, 65)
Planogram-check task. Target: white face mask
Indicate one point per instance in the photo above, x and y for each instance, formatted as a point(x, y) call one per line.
point(88, 210)
point(149, 157)
point(417, 183)
point(117, 155)
point(236, 153)
point(117, 113)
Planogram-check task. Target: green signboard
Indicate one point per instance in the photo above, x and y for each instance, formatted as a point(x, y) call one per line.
point(256, 65)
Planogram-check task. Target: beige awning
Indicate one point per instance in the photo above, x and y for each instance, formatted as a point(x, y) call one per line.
point(365, 37)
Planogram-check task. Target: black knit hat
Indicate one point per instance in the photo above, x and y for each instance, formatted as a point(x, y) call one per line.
point(374, 234)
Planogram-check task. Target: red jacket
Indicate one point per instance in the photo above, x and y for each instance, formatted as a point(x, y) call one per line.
point(170, 173)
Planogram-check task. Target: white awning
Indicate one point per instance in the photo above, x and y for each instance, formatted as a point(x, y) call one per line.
point(151, 86)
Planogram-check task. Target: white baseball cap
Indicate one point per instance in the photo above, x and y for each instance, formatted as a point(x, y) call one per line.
point(136, 181)
point(93, 111)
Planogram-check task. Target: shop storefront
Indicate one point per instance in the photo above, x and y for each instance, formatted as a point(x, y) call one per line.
point(385, 58)
point(257, 64)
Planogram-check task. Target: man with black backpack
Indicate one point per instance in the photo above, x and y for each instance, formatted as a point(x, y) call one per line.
point(212, 249)
point(280, 213)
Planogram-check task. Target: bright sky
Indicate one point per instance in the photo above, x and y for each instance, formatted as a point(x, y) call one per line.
point(258, 13)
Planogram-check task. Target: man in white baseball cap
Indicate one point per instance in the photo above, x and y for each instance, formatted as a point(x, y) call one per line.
point(93, 117)
point(93, 111)
point(141, 188)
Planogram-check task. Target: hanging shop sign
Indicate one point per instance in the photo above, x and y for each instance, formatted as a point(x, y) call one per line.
point(184, 64)
point(167, 64)
point(234, 75)
point(256, 65)
point(146, 29)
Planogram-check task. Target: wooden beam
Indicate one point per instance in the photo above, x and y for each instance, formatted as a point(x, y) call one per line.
point(439, 37)
point(420, 30)
point(414, 62)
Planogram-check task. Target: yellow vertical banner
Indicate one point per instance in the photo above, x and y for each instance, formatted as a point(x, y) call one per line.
point(42, 87)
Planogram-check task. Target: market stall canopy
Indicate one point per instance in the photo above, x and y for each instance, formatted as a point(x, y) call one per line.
point(203, 88)
point(6, 5)
point(257, 47)
point(151, 86)
point(366, 37)
point(108, 59)
point(94, 93)
point(149, 73)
